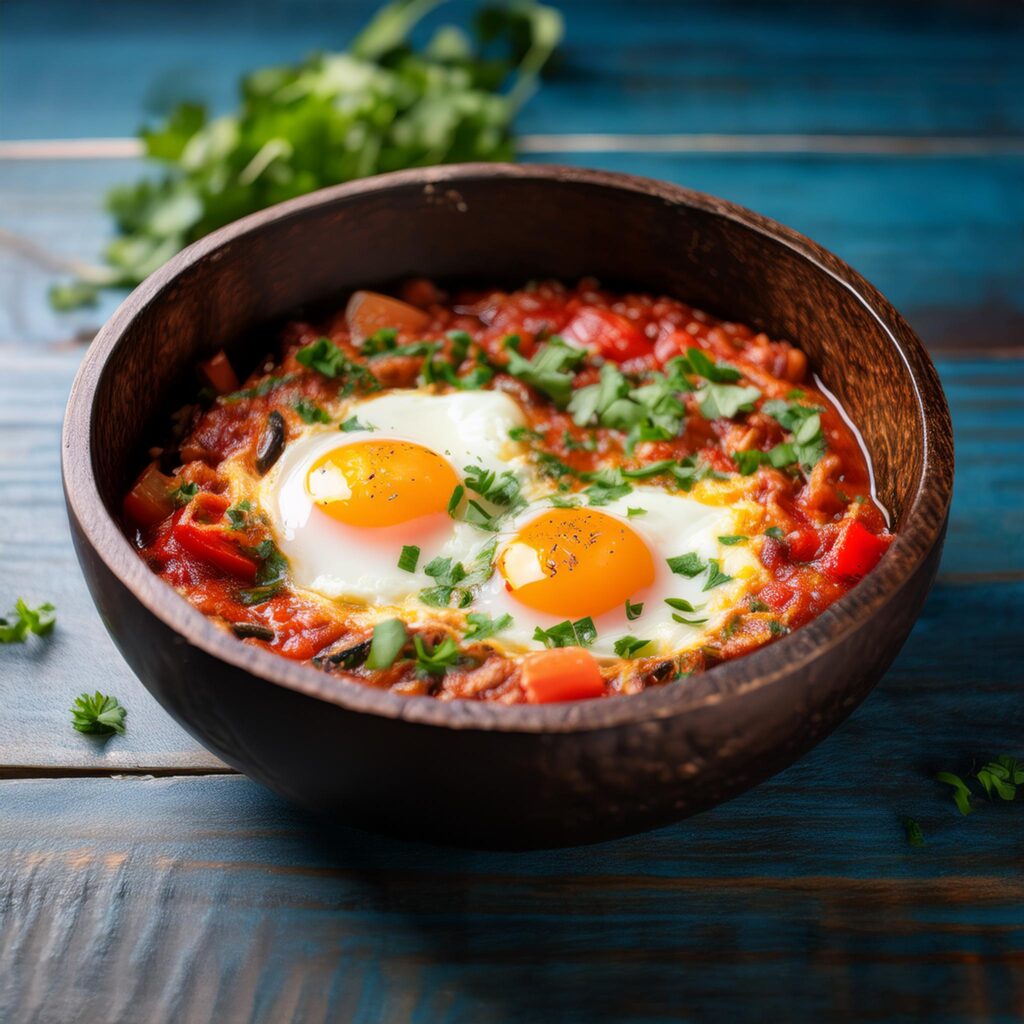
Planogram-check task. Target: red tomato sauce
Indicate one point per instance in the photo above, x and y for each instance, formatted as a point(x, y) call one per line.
point(826, 532)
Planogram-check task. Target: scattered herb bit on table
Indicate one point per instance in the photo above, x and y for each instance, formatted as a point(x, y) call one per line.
point(99, 714)
point(16, 625)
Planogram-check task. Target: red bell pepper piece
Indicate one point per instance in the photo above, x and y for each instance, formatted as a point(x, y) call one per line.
point(855, 552)
point(803, 544)
point(200, 531)
point(149, 502)
point(565, 673)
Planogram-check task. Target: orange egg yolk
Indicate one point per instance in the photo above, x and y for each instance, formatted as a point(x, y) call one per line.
point(381, 483)
point(574, 562)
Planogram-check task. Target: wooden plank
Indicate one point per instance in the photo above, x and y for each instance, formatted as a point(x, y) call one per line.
point(940, 236)
point(37, 560)
point(198, 900)
point(74, 70)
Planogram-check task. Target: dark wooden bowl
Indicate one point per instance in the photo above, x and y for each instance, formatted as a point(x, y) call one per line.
point(475, 773)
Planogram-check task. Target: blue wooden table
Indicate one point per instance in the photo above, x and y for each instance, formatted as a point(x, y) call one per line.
point(141, 880)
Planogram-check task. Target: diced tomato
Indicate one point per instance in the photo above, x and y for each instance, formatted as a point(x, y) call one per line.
point(219, 374)
point(855, 553)
point(803, 544)
point(200, 531)
point(668, 346)
point(420, 292)
point(149, 501)
point(607, 334)
point(776, 595)
point(565, 673)
point(368, 312)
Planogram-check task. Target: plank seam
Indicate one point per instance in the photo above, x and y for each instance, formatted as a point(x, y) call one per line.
point(601, 142)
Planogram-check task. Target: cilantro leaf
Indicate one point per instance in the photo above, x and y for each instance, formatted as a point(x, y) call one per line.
point(581, 633)
point(608, 486)
point(437, 660)
point(16, 625)
point(183, 493)
point(483, 626)
point(550, 371)
point(238, 514)
point(690, 564)
point(409, 558)
point(99, 714)
point(353, 423)
point(634, 611)
point(716, 577)
point(311, 412)
point(724, 401)
point(630, 646)
point(326, 358)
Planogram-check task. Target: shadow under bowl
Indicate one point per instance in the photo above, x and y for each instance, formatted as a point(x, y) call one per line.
point(473, 773)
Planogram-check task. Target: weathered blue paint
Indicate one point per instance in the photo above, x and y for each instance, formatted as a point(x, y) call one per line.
point(80, 70)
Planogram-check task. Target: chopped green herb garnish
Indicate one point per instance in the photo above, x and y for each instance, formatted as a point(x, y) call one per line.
point(524, 434)
point(915, 834)
point(99, 714)
point(1002, 777)
point(634, 611)
point(389, 638)
point(775, 532)
point(607, 486)
point(311, 412)
point(552, 466)
point(184, 493)
point(238, 514)
point(581, 633)
point(483, 626)
point(681, 605)
point(565, 500)
point(325, 357)
point(17, 625)
point(260, 390)
point(701, 366)
point(732, 538)
point(501, 489)
point(690, 564)
point(776, 628)
point(453, 580)
point(757, 605)
point(353, 423)
point(409, 558)
point(630, 646)
point(716, 577)
point(550, 371)
point(804, 423)
point(632, 512)
point(961, 791)
point(270, 576)
point(456, 499)
point(437, 660)
point(724, 401)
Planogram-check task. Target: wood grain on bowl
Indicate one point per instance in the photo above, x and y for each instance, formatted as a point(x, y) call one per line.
point(508, 776)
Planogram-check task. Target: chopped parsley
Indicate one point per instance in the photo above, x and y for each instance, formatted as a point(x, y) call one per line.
point(501, 489)
point(353, 423)
point(550, 371)
point(524, 434)
point(99, 714)
point(270, 576)
point(311, 412)
point(238, 514)
point(804, 423)
point(409, 558)
point(634, 611)
point(456, 499)
point(733, 538)
point(774, 532)
point(724, 401)
point(183, 493)
point(630, 646)
point(389, 638)
point(716, 577)
point(607, 486)
point(452, 579)
point(961, 791)
point(16, 625)
point(437, 660)
point(633, 512)
point(581, 633)
point(260, 390)
point(690, 564)
point(482, 626)
point(681, 605)
point(1002, 777)
point(326, 358)
point(915, 834)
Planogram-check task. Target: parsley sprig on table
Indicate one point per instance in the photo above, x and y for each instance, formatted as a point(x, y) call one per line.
point(99, 714)
point(18, 624)
point(381, 105)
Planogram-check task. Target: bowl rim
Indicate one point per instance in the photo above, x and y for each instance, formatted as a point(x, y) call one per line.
point(924, 516)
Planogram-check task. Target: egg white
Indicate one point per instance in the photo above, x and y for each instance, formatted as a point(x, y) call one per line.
point(360, 565)
point(672, 525)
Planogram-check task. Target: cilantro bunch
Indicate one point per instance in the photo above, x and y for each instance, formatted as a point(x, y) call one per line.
point(381, 105)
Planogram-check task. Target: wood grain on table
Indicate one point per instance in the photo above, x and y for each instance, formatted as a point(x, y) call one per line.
point(893, 133)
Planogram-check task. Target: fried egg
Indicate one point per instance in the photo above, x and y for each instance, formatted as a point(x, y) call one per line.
point(554, 564)
point(343, 504)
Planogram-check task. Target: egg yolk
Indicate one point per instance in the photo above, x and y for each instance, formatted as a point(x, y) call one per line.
point(381, 483)
point(574, 562)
